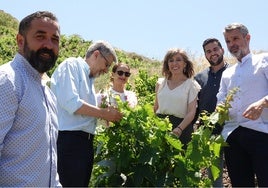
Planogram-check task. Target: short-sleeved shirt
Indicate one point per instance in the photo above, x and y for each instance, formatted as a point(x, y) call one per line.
point(175, 102)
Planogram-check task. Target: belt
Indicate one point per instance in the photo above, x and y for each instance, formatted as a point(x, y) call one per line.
point(79, 133)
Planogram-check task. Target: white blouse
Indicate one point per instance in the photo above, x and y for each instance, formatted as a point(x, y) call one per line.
point(175, 101)
point(127, 95)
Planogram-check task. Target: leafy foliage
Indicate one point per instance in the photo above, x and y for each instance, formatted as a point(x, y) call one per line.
point(71, 46)
point(7, 46)
point(135, 149)
point(141, 151)
point(145, 87)
point(8, 27)
point(6, 20)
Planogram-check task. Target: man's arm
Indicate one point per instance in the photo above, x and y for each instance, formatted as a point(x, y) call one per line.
point(109, 114)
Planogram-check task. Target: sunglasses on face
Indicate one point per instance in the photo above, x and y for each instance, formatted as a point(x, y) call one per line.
point(120, 73)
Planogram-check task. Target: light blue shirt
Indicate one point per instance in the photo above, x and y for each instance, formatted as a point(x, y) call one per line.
point(28, 128)
point(251, 78)
point(72, 85)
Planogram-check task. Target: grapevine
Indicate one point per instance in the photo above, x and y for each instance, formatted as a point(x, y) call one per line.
point(140, 150)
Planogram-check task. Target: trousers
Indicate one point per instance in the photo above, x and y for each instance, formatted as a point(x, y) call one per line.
point(75, 158)
point(246, 157)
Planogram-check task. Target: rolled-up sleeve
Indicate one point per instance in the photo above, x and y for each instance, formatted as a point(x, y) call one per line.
point(65, 85)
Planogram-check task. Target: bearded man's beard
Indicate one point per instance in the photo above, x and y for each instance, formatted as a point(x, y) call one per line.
point(217, 62)
point(42, 60)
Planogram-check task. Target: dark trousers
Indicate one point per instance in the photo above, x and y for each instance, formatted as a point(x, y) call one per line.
point(75, 158)
point(186, 135)
point(247, 156)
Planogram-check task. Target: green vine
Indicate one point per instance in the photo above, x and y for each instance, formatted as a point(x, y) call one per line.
point(141, 151)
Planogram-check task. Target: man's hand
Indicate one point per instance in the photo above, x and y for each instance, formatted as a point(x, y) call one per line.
point(254, 110)
point(113, 114)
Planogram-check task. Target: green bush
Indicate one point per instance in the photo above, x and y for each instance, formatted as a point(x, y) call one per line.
point(141, 151)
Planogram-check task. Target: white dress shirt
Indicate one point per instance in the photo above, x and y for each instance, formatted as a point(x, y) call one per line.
point(251, 78)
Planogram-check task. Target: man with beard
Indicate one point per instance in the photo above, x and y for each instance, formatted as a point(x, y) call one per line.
point(209, 80)
point(246, 132)
point(28, 119)
point(73, 84)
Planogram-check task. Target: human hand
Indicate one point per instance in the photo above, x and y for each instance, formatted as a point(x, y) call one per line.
point(254, 110)
point(113, 114)
point(177, 131)
point(107, 125)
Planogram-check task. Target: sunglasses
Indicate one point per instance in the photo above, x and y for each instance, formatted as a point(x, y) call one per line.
point(120, 73)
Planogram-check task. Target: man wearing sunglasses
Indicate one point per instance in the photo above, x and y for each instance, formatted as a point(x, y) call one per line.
point(73, 84)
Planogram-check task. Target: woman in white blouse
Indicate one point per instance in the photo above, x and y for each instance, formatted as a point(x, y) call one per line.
point(176, 93)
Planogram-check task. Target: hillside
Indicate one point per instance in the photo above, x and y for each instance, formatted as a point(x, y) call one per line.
point(73, 45)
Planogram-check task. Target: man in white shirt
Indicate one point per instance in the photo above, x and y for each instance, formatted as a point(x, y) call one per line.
point(247, 130)
point(73, 84)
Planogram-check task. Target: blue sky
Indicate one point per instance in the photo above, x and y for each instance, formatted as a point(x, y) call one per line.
point(151, 27)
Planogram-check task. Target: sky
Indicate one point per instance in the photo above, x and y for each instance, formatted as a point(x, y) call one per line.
point(151, 27)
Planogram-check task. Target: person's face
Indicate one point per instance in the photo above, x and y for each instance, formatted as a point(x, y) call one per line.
point(40, 46)
point(214, 53)
point(176, 64)
point(101, 64)
point(237, 44)
point(121, 75)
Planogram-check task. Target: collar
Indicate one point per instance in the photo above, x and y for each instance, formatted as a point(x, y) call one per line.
point(220, 70)
point(116, 92)
point(246, 58)
point(24, 64)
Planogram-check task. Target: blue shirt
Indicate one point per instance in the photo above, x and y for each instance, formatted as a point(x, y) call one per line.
point(28, 128)
point(72, 86)
point(251, 78)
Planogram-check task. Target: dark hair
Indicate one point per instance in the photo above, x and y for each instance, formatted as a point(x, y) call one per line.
point(210, 40)
point(233, 26)
point(189, 70)
point(26, 22)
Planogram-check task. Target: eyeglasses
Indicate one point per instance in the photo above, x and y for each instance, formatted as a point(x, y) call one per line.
point(107, 64)
point(120, 73)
